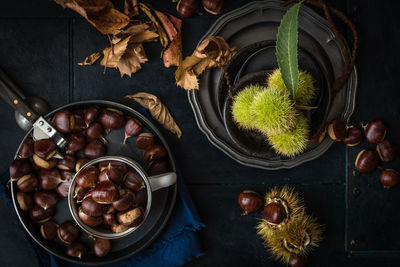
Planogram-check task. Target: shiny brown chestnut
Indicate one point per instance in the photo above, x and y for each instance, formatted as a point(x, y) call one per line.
point(91, 114)
point(274, 213)
point(80, 193)
point(386, 151)
point(214, 7)
point(250, 201)
point(92, 208)
point(76, 142)
point(89, 220)
point(44, 164)
point(87, 177)
point(68, 232)
point(26, 150)
point(112, 119)
point(67, 163)
point(76, 249)
point(298, 261)
point(101, 247)
point(337, 130)
point(113, 174)
point(187, 8)
point(145, 140)
point(45, 199)
point(132, 128)
point(125, 200)
point(133, 181)
point(49, 230)
point(105, 192)
point(154, 152)
point(67, 175)
point(375, 131)
point(367, 161)
point(95, 131)
point(49, 179)
point(80, 163)
point(389, 178)
point(113, 164)
point(130, 218)
point(109, 219)
point(353, 137)
point(40, 215)
point(63, 188)
point(118, 228)
point(27, 183)
point(94, 149)
point(25, 200)
point(141, 197)
point(45, 148)
point(19, 168)
point(64, 121)
point(79, 123)
point(157, 166)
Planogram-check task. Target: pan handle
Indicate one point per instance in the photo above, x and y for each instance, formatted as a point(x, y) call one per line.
point(14, 98)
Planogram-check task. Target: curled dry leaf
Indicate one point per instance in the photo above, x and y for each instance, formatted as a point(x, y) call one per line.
point(160, 30)
point(158, 111)
point(131, 8)
point(89, 60)
point(173, 54)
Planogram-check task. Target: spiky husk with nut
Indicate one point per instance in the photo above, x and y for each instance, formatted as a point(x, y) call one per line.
point(273, 111)
point(241, 106)
point(305, 90)
point(291, 142)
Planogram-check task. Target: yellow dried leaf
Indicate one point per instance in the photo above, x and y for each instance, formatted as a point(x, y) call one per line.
point(158, 111)
point(89, 60)
point(160, 30)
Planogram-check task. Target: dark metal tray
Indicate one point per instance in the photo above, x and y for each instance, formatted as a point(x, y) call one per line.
point(257, 22)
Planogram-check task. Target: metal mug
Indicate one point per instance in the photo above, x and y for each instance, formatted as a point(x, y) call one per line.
point(153, 183)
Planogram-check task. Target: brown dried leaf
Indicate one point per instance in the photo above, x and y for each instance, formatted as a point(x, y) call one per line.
point(158, 111)
point(89, 60)
point(62, 2)
point(173, 54)
point(131, 8)
point(184, 75)
point(160, 30)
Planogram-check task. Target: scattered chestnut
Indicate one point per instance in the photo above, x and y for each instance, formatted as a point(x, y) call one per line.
point(25, 200)
point(49, 179)
point(154, 152)
point(113, 174)
point(67, 163)
point(76, 249)
point(49, 230)
point(125, 201)
point(67, 175)
point(145, 140)
point(80, 163)
point(91, 114)
point(40, 215)
point(337, 130)
point(297, 261)
point(130, 218)
point(101, 247)
point(26, 150)
point(375, 131)
point(113, 164)
point(27, 183)
point(214, 7)
point(118, 228)
point(19, 168)
point(188, 8)
point(68, 232)
point(76, 142)
point(44, 164)
point(80, 193)
point(133, 181)
point(141, 197)
point(367, 161)
point(79, 123)
point(353, 136)
point(105, 192)
point(45, 199)
point(112, 119)
point(94, 149)
point(92, 208)
point(95, 131)
point(274, 213)
point(64, 121)
point(386, 151)
point(109, 219)
point(389, 178)
point(63, 188)
point(87, 177)
point(157, 166)
point(89, 220)
point(132, 128)
point(250, 201)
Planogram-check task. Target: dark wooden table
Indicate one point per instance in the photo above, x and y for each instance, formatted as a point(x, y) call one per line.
point(40, 45)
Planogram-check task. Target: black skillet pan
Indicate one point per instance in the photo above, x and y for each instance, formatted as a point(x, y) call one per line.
point(163, 200)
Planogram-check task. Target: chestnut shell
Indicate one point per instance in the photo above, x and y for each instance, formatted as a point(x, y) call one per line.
point(250, 201)
point(367, 161)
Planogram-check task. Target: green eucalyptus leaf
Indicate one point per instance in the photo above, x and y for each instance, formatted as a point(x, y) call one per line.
point(286, 48)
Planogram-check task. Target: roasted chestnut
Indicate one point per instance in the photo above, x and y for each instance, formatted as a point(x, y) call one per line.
point(133, 181)
point(67, 163)
point(64, 121)
point(250, 201)
point(214, 7)
point(389, 178)
point(101, 247)
point(92, 208)
point(49, 230)
point(19, 168)
point(45, 199)
point(386, 151)
point(130, 218)
point(105, 192)
point(89, 220)
point(95, 131)
point(337, 130)
point(367, 161)
point(132, 128)
point(154, 152)
point(112, 118)
point(68, 232)
point(27, 183)
point(188, 8)
point(94, 149)
point(91, 114)
point(125, 200)
point(79, 123)
point(76, 249)
point(26, 150)
point(80, 163)
point(25, 200)
point(76, 142)
point(375, 131)
point(49, 179)
point(40, 215)
point(118, 228)
point(157, 166)
point(63, 188)
point(274, 213)
point(353, 137)
point(141, 197)
point(113, 164)
point(87, 177)
point(145, 140)
point(113, 174)
point(44, 164)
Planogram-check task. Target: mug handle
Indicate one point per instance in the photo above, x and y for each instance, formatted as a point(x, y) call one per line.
point(162, 180)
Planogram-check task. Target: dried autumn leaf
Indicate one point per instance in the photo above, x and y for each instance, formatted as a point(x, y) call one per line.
point(173, 54)
point(158, 111)
point(131, 8)
point(89, 60)
point(185, 76)
point(62, 2)
point(160, 30)
point(134, 28)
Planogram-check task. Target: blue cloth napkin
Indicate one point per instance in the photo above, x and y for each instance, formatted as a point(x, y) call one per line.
point(177, 243)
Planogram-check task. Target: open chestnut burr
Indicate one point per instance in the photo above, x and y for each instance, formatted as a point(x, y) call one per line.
point(128, 214)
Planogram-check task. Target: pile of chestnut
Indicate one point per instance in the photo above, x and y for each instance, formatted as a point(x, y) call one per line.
point(42, 179)
point(367, 160)
point(189, 8)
